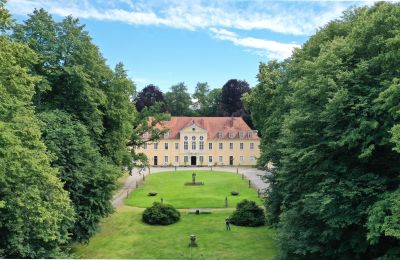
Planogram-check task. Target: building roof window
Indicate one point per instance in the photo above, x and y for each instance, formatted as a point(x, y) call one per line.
point(241, 134)
point(231, 135)
point(250, 135)
point(166, 135)
point(220, 134)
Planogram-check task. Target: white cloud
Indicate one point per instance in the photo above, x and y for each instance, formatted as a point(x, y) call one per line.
point(278, 17)
point(271, 49)
point(284, 17)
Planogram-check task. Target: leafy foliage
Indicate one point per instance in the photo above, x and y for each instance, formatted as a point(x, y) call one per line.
point(87, 177)
point(148, 97)
point(179, 101)
point(35, 211)
point(248, 214)
point(336, 138)
point(161, 214)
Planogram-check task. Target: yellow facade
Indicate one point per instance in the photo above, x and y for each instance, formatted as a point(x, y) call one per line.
point(193, 148)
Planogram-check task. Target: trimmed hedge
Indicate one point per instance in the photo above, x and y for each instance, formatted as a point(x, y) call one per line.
point(160, 214)
point(248, 214)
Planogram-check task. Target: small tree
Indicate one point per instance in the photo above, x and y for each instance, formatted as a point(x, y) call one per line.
point(248, 214)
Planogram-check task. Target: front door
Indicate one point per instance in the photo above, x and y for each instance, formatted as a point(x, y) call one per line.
point(193, 160)
point(155, 160)
point(230, 160)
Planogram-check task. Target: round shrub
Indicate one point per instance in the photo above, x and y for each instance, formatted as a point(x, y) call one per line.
point(234, 193)
point(160, 214)
point(248, 214)
point(152, 194)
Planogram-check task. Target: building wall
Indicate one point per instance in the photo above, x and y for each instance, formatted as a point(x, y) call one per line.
point(168, 156)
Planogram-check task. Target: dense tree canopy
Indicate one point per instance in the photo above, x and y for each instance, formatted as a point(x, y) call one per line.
point(178, 100)
point(148, 97)
point(35, 211)
point(331, 112)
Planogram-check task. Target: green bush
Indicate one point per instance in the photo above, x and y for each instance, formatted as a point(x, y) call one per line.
point(160, 214)
point(248, 214)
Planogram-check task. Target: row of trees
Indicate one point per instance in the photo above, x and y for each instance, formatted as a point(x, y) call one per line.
point(225, 101)
point(329, 117)
point(65, 122)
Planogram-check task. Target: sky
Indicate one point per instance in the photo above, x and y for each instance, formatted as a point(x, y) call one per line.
point(170, 41)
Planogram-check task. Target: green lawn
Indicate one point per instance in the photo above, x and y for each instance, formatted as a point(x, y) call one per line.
point(124, 235)
point(170, 186)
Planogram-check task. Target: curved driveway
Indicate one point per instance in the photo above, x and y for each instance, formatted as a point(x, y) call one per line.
point(252, 174)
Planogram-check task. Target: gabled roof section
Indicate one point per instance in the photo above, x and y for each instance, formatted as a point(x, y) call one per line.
point(213, 126)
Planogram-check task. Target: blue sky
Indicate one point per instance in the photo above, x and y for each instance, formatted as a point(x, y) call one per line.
point(167, 42)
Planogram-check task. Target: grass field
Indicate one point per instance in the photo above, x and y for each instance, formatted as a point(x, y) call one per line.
point(170, 186)
point(124, 235)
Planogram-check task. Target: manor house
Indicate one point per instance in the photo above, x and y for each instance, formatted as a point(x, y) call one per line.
point(204, 141)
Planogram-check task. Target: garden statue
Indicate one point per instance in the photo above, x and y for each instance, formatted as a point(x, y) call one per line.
point(193, 240)
point(194, 178)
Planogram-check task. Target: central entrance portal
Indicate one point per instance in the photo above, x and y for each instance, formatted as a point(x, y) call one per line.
point(193, 160)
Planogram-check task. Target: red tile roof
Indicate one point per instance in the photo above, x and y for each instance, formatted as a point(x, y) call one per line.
point(213, 125)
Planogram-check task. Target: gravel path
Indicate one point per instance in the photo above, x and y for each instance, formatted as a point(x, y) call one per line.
point(251, 174)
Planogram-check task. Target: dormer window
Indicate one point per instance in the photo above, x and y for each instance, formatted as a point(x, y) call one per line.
point(220, 134)
point(231, 135)
point(250, 135)
point(241, 134)
point(166, 135)
point(145, 136)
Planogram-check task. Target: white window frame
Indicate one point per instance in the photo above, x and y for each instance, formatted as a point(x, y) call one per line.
point(176, 146)
point(166, 159)
point(221, 159)
point(201, 145)
point(210, 146)
point(144, 146)
point(251, 146)
point(241, 158)
point(186, 159)
point(166, 146)
point(186, 145)
point(231, 146)
point(210, 159)
point(176, 159)
point(220, 146)
point(241, 146)
point(241, 134)
point(193, 145)
point(250, 135)
point(155, 146)
point(201, 158)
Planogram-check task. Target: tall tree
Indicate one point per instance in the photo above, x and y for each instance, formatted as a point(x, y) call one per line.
point(200, 95)
point(231, 99)
point(338, 174)
point(87, 177)
point(35, 211)
point(178, 100)
point(148, 96)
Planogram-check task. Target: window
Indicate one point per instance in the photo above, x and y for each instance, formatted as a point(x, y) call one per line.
point(193, 129)
point(209, 146)
point(166, 135)
point(185, 159)
point(155, 146)
point(241, 158)
point(210, 159)
point(166, 146)
point(252, 158)
point(145, 136)
point(193, 145)
point(176, 159)
point(241, 146)
point(185, 138)
point(186, 145)
point(193, 138)
point(250, 135)
point(201, 138)
point(201, 158)
point(251, 146)
point(241, 134)
point(145, 146)
point(221, 146)
point(220, 135)
point(231, 135)
point(166, 159)
point(176, 146)
point(231, 146)
point(201, 145)
point(221, 159)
